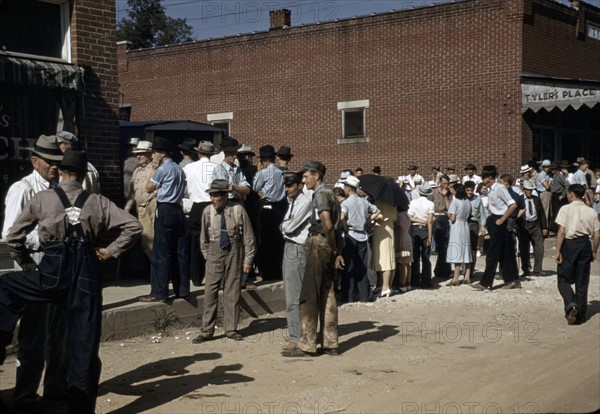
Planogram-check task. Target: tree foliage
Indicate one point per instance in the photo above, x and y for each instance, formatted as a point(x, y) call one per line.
point(147, 25)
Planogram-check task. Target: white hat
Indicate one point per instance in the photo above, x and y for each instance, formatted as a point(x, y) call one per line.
point(528, 185)
point(344, 175)
point(352, 181)
point(525, 169)
point(453, 178)
point(425, 188)
point(143, 147)
point(433, 184)
point(134, 141)
point(546, 163)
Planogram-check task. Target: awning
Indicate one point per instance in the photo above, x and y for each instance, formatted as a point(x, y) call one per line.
point(543, 92)
point(41, 73)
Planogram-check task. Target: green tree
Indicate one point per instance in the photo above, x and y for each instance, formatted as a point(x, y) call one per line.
point(147, 25)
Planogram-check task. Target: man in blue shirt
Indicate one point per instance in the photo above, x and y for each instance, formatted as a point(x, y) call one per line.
point(269, 185)
point(168, 250)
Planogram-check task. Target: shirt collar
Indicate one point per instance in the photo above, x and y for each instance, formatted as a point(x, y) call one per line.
point(39, 178)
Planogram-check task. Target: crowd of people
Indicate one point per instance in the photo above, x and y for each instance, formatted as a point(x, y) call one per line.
point(219, 220)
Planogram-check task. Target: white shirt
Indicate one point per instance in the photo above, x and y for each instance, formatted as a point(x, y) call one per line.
point(91, 182)
point(18, 195)
point(499, 199)
point(420, 208)
point(296, 228)
point(199, 175)
point(476, 179)
point(411, 180)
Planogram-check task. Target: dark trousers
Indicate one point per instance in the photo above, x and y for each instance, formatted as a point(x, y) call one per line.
point(556, 205)
point(83, 309)
point(168, 253)
point(575, 269)
point(193, 226)
point(270, 239)
point(501, 250)
point(42, 341)
point(441, 235)
point(356, 255)
point(474, 238)
point(421, 252)
point(531, 233)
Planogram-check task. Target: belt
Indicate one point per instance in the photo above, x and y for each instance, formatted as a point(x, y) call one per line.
point(311, 234)
point(169, 204)
point(439, 214)
point(419, 225)
point(474, 220)
point(270, 203)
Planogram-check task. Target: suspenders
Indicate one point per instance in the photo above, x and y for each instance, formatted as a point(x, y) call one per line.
point(74, 226)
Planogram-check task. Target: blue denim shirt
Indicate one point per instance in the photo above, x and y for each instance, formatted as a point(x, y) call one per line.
point(169, 179)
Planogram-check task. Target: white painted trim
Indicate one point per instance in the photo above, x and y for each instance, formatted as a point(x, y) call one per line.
point(364, 103)
point(65, 27)
point(223, 116)
point(343, 141)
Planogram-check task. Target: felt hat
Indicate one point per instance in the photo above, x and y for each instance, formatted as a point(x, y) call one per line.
point(47, 147)
point(67, 137)
point(134, 141)
point(352, 181)
point(75, 161)
point(524, 169)
point(435, 166)
point(412, 166)
point(230, 144)
point(555, 165)
point(565, 164)
point(284, 151)
point(546, 163)
point(470, 167)
point(246, 149)
point(451, 166)
point(453, 178)
point(425, 189)
point(266, 151)
point(218, 186)
point(162, 144)
point(205, 147)
point(187, 145)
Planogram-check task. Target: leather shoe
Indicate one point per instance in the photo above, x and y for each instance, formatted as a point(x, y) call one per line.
point(234, 336)
point(330, 351)
point(295, 353)
point(512, 285)
point(289, 346)
point(201, 338)
point(150, 299)
point(479, 286)
point(572, 316)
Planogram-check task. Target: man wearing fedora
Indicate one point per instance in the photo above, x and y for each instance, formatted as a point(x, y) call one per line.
point(38, 344)
point(420, 212)
point(269, 185)
point(168, 249)
point(198, 175)
point(501, 247)
point(470, 174)
point(543, 186)
point(283, 157)
point(413, 176)
point(450, 168)
point(188, 152)
point(80, 291)
point(532, 231)
point(68, 140)
point(356, 211)
point(227, 244)
point(239, 187)
point(143, 201)
point(436, 172)
point(295, 232)
point(129, 165)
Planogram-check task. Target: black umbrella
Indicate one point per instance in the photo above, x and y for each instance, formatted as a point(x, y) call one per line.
point(384, 189)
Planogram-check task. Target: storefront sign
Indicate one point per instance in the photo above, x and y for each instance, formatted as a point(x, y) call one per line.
point(550, 96)
point(593, 31)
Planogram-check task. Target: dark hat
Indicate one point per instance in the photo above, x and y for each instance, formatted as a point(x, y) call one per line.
point(435, 166)
point(470, 167)
point(451, 166)
point(376, 169)
point(47, 147)
point(75, 161)
point(230, 144)
point(565, 164)
point(266, 152)
point(284, 151)
point(218, 186)
point(412, 166)
point(205, 147)
point(489, 170)
point(188, 145)
point(554, 165)
point(291, 177)
point(315, 166)
point(162, 144)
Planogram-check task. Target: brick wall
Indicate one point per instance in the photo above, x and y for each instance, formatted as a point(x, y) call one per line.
point(443, 84)
point(93, 36)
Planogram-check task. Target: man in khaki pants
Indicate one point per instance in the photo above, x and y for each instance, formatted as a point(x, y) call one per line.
point(145, 202)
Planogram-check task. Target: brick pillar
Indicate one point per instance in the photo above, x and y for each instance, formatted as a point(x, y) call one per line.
point(279, 19)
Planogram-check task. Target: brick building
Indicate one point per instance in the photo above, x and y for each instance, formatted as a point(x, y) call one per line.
point(468, 81)
point(58, 71)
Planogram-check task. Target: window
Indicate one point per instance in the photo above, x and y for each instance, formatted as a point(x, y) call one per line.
point(221, 120)
point(353, 121)
point(36, 27)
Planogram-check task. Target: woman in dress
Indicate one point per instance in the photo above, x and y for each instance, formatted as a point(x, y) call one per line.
point(459, 246)
point(404, 248)
point(384, 254)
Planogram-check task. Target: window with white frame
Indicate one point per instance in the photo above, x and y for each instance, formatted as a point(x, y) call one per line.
point(353, 121)
point(221, 120)
point(36, 27)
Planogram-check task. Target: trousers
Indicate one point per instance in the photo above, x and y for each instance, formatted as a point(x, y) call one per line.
point(421, 252)
point(575, 269)
point(318, 307)
point(146, 216)
point(354, 277)
point(501, 250)
point(294, 264)
point(441, 235)
point(193, 225)
point(531, 233)
point(270, 239)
